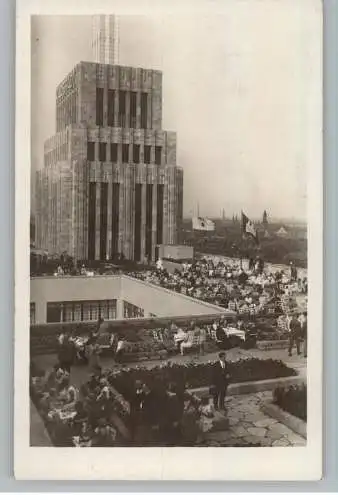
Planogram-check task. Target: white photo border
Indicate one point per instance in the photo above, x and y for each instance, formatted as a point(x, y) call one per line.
point(254, 464)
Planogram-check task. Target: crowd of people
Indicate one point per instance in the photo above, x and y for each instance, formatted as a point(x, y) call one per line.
point(76, 416)
point(85, 416)
point(249, 292)
point(153, 415)
point(229, 285)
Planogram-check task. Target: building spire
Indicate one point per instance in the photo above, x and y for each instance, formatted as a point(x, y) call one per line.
point(105, 39)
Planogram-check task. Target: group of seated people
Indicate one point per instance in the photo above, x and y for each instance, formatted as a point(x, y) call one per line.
point(75, 417)
point(172, 339)
point(64, 270)
point(90, 416)
point(247, 292)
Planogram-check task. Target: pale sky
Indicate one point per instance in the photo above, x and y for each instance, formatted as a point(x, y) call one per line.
point(236, 89)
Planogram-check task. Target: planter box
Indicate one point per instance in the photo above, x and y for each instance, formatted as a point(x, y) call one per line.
point(256, 386)
point(267, 345)
point(294, 423)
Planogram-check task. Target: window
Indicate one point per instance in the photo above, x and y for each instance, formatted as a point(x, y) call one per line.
point(68, 312)
point(149, 220)
point(108, 309)
point(138, 222)
point(111, 309)
point(113, 152)
point(144, 110)
point(122, 109)
point(99, 106)
point(147, 154)
point(103, 221)
point(102, 151)
point(158, 155)
point(136, 153)
point(115, 219)
point(91, 220)
point(32, 313)
point(85, 311)
point(90, 311)
point(77, 311)
point(94, 311)
point(133, 100)
point(91, 151)
point(132, 311)
point(54, 312)
point(159, 224)
point(111, 107)
point(125, 153)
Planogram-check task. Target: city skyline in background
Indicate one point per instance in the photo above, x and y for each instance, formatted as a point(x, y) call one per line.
point(227, 116)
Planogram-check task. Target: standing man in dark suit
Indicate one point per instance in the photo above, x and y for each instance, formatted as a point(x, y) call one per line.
point(221, 379)
point(295, 334)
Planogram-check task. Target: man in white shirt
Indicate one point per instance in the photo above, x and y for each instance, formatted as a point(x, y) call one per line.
point(159, 264)
point(120, 350)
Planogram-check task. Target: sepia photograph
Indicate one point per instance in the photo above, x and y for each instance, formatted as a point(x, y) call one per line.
point(172, 164)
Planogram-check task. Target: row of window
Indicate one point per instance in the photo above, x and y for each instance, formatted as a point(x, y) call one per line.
point(66, 312)
point(132, 311)
point(120, 97)
point(134, 157)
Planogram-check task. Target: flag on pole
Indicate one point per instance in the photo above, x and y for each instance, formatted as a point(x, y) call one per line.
point(203, 224)
point(248, 228)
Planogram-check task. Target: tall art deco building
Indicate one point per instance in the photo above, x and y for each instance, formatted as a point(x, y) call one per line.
point(110, 184)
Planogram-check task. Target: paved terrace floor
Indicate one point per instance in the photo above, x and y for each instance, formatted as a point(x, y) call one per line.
point(248, 425)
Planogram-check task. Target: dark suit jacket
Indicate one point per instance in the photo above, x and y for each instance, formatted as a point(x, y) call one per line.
point(304, 330)
point(296, 329)
point(221, 377)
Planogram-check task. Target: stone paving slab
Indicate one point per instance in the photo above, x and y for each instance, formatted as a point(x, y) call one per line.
point(266, 422)
point(249, 426)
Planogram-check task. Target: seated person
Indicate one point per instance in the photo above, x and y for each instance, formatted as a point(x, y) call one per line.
point(70, 395)
point(84, 439)
point(188, 342)
point(220, 333)
point(179, 337)
point(222, 338)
